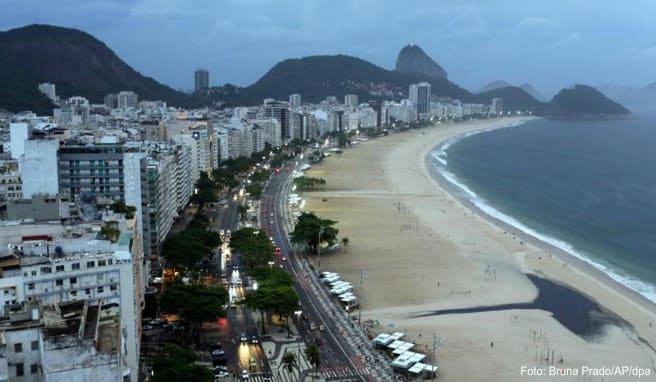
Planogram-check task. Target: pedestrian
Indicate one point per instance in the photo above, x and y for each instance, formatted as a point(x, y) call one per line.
point(491, 344)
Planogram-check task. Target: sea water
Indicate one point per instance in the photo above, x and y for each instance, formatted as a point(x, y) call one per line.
point(586, 187)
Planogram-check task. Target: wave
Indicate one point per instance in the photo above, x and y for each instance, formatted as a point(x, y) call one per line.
point(643, 288)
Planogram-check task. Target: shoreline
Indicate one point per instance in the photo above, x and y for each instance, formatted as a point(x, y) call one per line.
point(560, 254)
point(427, 247)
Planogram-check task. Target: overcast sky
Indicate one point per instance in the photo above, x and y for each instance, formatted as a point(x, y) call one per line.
point(551, 44)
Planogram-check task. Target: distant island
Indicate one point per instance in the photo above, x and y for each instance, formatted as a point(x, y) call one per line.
point(80, 64)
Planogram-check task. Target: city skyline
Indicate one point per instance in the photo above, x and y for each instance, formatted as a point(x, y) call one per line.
point(547, 46)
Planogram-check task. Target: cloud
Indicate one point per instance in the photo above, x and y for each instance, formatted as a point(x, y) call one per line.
point(532, 22)
point(648, 52)
point(567, 41)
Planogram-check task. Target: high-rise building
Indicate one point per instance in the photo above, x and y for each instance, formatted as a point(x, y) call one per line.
point(351, 100)
point(201, 80)
point(111, 101)
point(127, 99)
point(497, 106)
point(295, 101)
point(280, 111)
point(49, 90)
point(420, 95)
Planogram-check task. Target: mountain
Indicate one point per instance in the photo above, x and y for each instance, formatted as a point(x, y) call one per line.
point(533, 92)
point(514, 98)
point(494, 85)
point(637, 98)
point(79, 64)
point(316, 77)
point(412, 59)
point(585, 102)
point(76, 62)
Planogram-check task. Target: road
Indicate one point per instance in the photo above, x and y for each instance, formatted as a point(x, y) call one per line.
point(335, 353)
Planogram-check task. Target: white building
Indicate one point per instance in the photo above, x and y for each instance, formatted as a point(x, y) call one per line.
point(38, 167)
point(294, 101)
point(351, 100)
point(49, 90)
point(127, 99)
point(420, 95)
point(19, 132)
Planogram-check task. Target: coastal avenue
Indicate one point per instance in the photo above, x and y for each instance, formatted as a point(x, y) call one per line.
point(241, 352)
point(335, 353)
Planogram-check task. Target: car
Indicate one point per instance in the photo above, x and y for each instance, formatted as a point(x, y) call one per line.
point(284, 258)
point(266, 378)
point(243, 337)
point(217, 353)
point(244, 375)
point(252, 364)
point(255, 340)
point(148, 327)
point(312, 326)
point(322, 328)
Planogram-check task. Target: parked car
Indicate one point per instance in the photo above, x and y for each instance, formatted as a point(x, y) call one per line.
point(322, 328)
point(312, 326)
point(217, 353)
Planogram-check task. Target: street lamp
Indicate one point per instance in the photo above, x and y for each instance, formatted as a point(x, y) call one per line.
point(363, 276)
point(437, 341)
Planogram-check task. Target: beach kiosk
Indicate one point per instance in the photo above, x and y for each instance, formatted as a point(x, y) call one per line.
point(405, 361)
point(423, 370)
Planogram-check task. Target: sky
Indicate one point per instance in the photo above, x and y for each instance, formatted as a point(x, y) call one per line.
point(550, 44)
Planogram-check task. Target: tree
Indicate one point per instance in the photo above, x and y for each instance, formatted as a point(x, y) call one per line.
point(255, 190)
point(345, 242)
point(173, 363)
point(255, 248)
point(188, 247)
point(205, 190)
point(275, 293)
point(243, 210)
point(308, 227)
point(194, 303)
point(289, 362)
point(313, 356)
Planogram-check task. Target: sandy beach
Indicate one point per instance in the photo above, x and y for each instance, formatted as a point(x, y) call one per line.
point(426, 249)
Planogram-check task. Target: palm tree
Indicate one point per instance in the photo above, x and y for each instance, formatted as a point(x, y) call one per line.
point(289, 362)
point(313, 355)
point(345, 243)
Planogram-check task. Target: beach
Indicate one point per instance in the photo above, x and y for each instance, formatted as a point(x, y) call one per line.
point(426, 248)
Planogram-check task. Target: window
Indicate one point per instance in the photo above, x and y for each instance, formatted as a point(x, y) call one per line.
point(73, 280)
point(75, 266)
point(33, 273)
point(102, 263)
point(34, 368)
point(30, 286)
point(91, 264)
point(110, 261)
point(87, 291)
point(59, 282)
point(34, 345)
point(74, 293)
point(59, 268)
point(45, 270)
point(18, 348)
point(19, 370)
point(101, 289)
point(112, 287)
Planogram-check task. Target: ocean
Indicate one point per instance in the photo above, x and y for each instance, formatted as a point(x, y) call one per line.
point(586, 187)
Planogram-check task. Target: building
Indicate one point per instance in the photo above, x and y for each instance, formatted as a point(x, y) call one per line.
point(201, 80)
point(158, 192)
point(126, 99)
point(497, 106)
point(111, 101)
point(38, 167)
point(295, 101)
point(420, 95)
point(351, 100)
point(11, 187)
point(73, 341)
point(279, 111)
point(66, 266)
point(19, 132)
point(49, 90)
